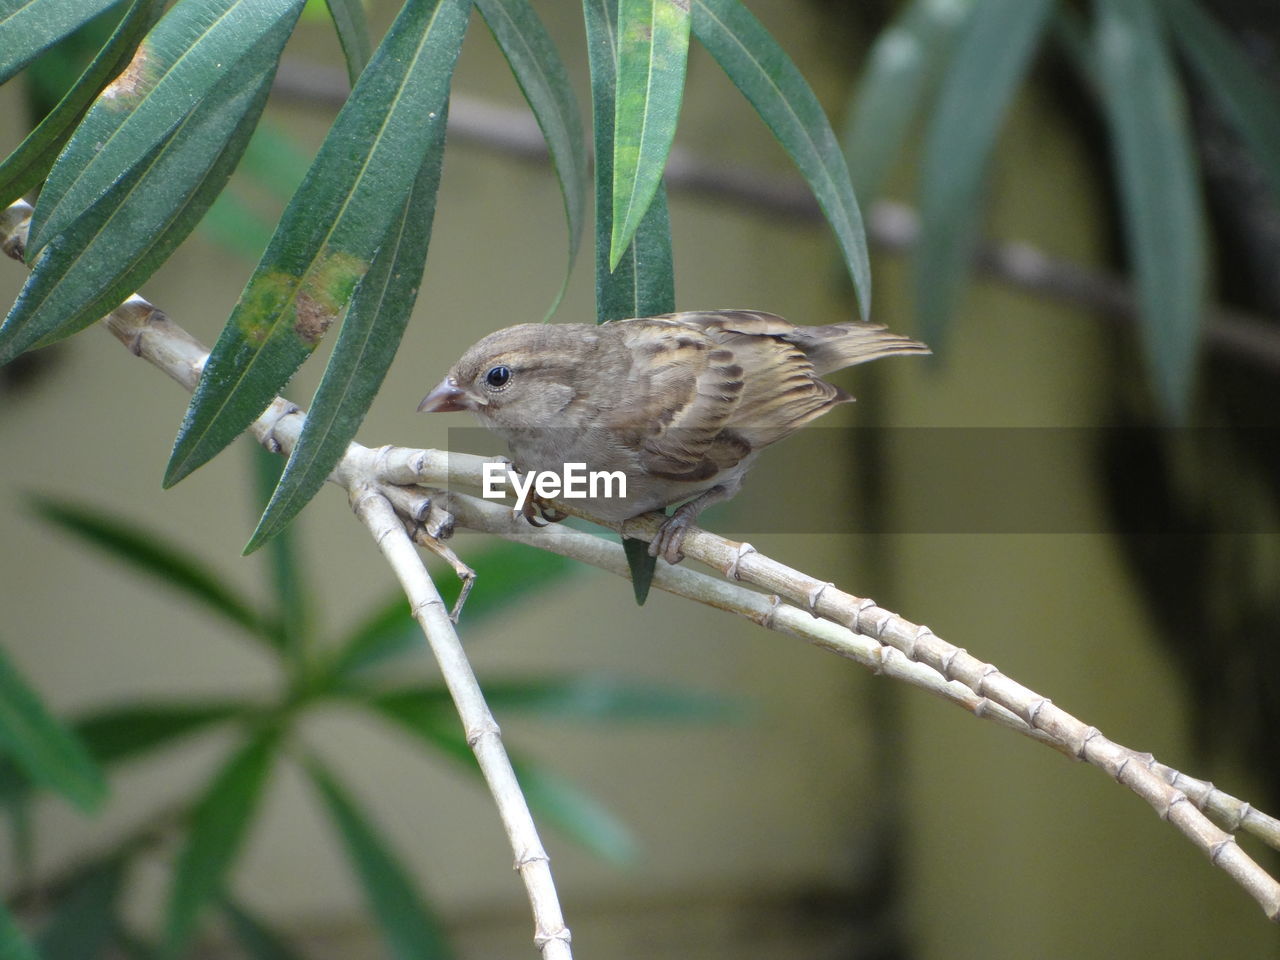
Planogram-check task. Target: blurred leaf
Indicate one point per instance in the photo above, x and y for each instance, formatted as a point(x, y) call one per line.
point(352, 196)
point(13, 945)
point(117, 734)
point(653, 49)
point(84, 921)
point(765, 75)
point(505, 573)
point(1159, 192)
point(27, 165)
point(573, 812)
point(367, 343)
point(577, 697)
point(114, 734)
point(991, 58)
point(408, 926)
point(153, 555)
point(1244, 92)
point(542, 77)
point(29, 27)
point(353, 34)
point(642, 283)
point(194, 48)
point(218, 827)
point(902, 71)
point(291, 608)
point(41, 746)
point(257, 940)
point(124, 236)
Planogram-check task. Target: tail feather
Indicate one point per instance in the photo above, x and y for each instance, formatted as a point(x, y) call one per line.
point(842, 345)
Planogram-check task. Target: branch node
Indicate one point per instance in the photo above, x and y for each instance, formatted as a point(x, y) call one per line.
point(855, 624)
point(269, 435)
point(731, 571)
point(948, 661)
point(766, 621)
point(489, 728)
point(1033, 711)
point(814, 595)
point(1089, 734)
point(1215, 851)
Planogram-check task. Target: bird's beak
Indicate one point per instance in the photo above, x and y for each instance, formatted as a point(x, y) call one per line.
point(447, 397)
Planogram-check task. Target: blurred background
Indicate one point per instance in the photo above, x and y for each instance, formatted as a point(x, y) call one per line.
point(764, 799)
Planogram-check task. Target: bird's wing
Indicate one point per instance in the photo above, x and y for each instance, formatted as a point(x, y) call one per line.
point(681, 390)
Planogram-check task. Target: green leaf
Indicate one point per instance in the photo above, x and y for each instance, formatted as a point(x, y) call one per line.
point(574, 813)
point(218, 828)
point(13, 945)
point(193, 49)
point(42, 747)
point(1246, 94)
point(124, 236)
point(641, 565)
point(410, 929)
point(257, 940)
point(27, 165)
point(505, 574)
point(83, 924)
point(29, 27)
point(577, 697)
point(151, 554)
point(352, 196)
point(118, 734)
point(292, 611)
point(765, 75)
point(642, 283)
point(545, 82)
point(352, 28)
point(1155, 167)
point(902, 72)
point(990, 61)
point(367, 343)
point(653, 49)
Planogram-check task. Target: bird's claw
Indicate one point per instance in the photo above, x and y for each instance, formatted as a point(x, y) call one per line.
point(670, 538)
point(540, 512)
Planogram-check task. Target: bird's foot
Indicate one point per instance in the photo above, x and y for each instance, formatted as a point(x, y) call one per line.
point(540, 512)
point(670, 538)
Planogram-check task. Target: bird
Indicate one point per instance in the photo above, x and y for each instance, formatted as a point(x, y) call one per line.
point(682, 404)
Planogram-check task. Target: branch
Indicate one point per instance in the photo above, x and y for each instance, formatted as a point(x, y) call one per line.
point(382, 486)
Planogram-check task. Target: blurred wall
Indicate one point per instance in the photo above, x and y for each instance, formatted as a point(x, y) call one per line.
point(756, 837)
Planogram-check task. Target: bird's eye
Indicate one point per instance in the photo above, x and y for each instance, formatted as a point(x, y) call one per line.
point(498, 377)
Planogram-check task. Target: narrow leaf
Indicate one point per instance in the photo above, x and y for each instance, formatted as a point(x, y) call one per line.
point(765, 75)
point(218, 828)
point(653, 49)
point(352, 195)
point(124, 236)
point(1246, 94)
point(409, 928)
point(1155, 167)
point(367, 343)
point(505, 574)
point(193, 49)
point(292, 609)
point(991, 59)
point(902, 72)
point(27, 165)
point(352, 28)
point(642, 283)
point(29, 27)
point(41, 746)
point(258, 941)
point(641, 565)
point(13, 945)
point(572, 812)
point(83, 923)
point(542, 77)
point(151, 554)
point(118, 734)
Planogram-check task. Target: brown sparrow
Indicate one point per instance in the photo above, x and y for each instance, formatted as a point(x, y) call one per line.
point(681, 404)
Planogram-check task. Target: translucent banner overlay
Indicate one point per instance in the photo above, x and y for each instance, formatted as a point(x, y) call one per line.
point(980, 480)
